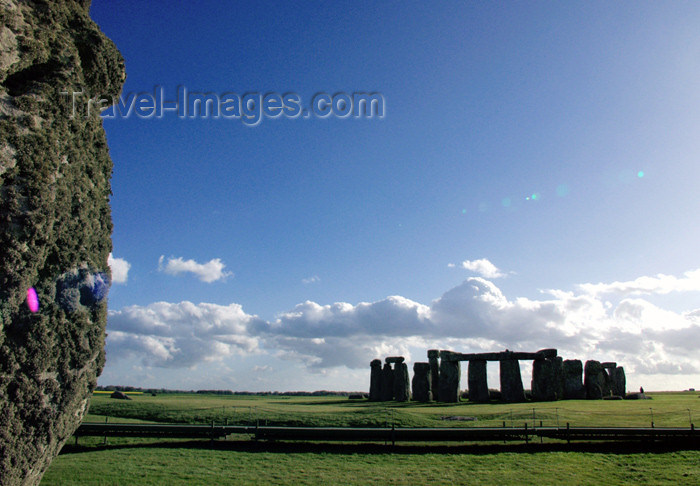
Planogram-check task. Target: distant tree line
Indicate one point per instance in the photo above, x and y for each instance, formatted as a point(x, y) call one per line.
point(318, 393)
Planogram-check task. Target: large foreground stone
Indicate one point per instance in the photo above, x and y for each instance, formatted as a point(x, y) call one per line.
point(55, 226)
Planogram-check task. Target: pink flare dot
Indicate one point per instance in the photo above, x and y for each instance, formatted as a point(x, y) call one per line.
point(32, 300)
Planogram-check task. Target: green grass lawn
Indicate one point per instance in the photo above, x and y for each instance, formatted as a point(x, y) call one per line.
point(146, 465)
point(668, 409)
point(150, 461)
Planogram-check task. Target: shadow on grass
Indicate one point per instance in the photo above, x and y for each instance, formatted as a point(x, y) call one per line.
point(380, 448)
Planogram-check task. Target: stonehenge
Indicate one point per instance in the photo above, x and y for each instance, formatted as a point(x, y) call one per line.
point(553, 378)
point(389, 383)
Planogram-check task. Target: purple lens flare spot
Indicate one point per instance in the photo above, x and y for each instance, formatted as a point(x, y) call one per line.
point(32, 300)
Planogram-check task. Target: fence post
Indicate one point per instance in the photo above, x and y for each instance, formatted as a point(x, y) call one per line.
point(527, 437)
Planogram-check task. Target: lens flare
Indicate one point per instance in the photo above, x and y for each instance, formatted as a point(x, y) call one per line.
point(32, 300)
point(563, 190)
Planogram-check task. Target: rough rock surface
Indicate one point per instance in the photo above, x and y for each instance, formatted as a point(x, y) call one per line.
point(547, 379)
point(573, 380)
point(375, 380)
point(449, 381)
point(119, 395)
point(386, 391)
point(477, 382)
point(596, 380)
point(511, 381)
point(402, 383)
point(421, 383)
point(618, 381)
point(433, 359)
point(55, 226)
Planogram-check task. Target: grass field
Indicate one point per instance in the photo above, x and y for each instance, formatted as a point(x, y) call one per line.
point(148, 461)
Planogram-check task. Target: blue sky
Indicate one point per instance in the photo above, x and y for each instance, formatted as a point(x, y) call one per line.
point(532, 183)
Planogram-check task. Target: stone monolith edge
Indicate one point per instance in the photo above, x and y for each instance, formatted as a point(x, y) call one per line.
point(573, 380)
point(421, 383)
point(618, 381)
point(387, 387)
point(477, 381)
point(402, 383)
point(547, 379)
point(55, 226)
point(595, 380)
point(375, 380)
point(511, 381)
point(449, 381)
point(433, 356)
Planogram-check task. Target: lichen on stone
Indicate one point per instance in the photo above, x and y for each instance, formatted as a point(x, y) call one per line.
point(55, 226)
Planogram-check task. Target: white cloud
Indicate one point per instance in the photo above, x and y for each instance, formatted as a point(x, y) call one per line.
point(475, 316)
point(311, 280)
point(180, 334)
point(481, 267)
point(208, 272)
point(120, 269)
point(660, 284)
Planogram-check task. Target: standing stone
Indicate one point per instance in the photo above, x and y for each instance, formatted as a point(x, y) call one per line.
point(433, 355)
point(421, 383)
point(375, 380)
point(595, 380)
point(618, 381)
point(558, 377)
point(547, 379)
point(387, 388)
point(402, 385)
point(55, 225)
point(573, 380)
point(449, 381)
point(476, 379)
point(511, 381)
point(608, 368)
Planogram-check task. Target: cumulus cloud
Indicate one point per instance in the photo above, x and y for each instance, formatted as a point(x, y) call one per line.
point(477, 316)
point(474, 316)
point(481, 267)
point(311, 280)
point(659, 284)
point(210, 271)
point(120, 269)
point(180, 334)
